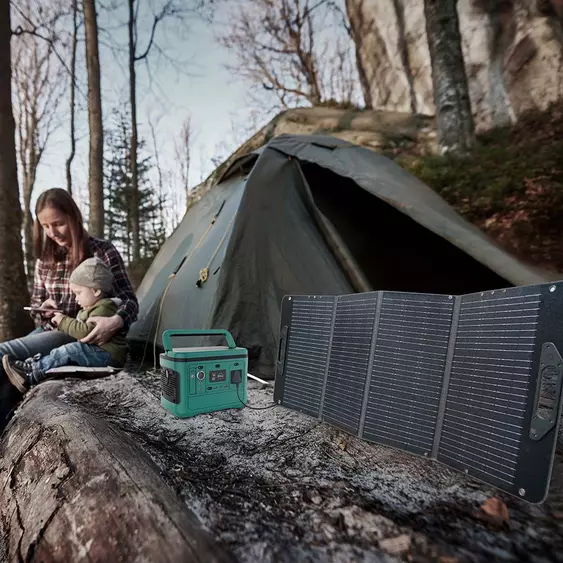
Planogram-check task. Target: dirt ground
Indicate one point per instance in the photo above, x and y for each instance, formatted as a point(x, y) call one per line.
point(276, 485)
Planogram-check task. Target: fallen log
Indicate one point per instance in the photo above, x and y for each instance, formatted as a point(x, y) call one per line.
point(277, 486)
point(75, 488)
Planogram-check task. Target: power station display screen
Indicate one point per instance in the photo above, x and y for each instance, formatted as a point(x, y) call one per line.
point(217, 376)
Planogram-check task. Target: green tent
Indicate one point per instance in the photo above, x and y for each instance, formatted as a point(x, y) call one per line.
point(311, 215)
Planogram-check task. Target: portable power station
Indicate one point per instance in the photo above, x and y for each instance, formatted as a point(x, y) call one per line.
point(202, 379)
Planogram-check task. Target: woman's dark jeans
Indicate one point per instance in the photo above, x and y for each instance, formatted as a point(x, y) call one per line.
point(37, 342)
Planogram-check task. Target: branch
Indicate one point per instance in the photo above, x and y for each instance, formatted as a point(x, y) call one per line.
point(308, 11)
point(49, 23)
point(276, 84)
point(336, 8)
point(20, 31)
point(167, 10)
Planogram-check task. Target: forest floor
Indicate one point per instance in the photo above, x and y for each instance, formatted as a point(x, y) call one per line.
point(277, 485)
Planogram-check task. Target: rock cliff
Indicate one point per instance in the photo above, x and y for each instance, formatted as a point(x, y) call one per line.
point(513, 53)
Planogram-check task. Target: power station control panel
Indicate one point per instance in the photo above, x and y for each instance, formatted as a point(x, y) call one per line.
point(217, 376)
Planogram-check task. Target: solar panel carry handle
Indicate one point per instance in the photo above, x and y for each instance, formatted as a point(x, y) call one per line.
point(551, 367)
point(282, 348)
point(168, 334)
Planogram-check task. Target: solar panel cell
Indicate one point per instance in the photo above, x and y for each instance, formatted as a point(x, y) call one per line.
point(349, 359)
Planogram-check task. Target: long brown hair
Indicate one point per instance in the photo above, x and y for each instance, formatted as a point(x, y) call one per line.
point(48, 250)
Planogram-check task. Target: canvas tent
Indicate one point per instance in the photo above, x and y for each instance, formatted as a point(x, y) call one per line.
point(311, 215)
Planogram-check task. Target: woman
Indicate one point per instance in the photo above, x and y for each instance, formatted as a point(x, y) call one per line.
point(61, 243)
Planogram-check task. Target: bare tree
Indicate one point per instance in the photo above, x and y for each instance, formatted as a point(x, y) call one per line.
point(161, 196)
point(182, 150)
point(167, 10)
point(354, 23)
point(340, 77)
point(276, 43)
point(96, 160)
point(134, 134)
point(72, 96)
point(38, 80)
point(454, 120)
point(404, 51)
point(14, 294)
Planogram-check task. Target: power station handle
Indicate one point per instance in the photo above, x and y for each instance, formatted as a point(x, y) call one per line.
point(168, 334)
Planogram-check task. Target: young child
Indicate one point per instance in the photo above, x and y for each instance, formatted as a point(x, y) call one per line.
point(91, 282)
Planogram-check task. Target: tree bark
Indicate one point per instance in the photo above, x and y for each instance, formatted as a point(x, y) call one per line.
point(72, 97)
point(404, 50)
point(29, 182)
point(77, 489)
point(454, 120)
point(95, 172)
point(134, 137)
point(501, 19)
point(29, 161)
point(14, 294)
point(356, 31)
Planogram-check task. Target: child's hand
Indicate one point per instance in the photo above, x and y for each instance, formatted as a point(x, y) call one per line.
point(57, 318)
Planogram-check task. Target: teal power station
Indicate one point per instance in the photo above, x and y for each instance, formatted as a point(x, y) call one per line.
point(202, 379)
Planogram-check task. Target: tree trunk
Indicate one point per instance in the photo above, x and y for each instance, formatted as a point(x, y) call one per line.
point(404, 51)
point(273, 485)
point(14, 294)
point(72, 97)
point(95, 173)
point(77, 489)
point(454, 121)
point(29, 163)
point(500, 19)
point(310, 71)
point(357, 33)
point(29, 181)
point(134, 175)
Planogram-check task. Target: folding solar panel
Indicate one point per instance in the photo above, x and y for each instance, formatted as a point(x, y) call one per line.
point(473, 381)
point(407, 371)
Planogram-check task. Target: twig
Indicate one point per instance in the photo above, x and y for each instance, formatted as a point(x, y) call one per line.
point(21, 31)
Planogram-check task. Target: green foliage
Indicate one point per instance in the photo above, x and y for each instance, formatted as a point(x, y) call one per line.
point(118, 185)
point(511, 185)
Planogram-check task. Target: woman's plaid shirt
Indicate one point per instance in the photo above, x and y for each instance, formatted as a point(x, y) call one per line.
point(53, 283)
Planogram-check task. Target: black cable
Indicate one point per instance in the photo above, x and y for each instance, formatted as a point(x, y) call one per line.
point(254, 408)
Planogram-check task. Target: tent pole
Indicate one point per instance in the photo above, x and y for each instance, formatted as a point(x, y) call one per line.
point(258, 379)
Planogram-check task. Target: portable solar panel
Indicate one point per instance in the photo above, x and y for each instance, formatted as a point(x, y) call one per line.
point(472, 381)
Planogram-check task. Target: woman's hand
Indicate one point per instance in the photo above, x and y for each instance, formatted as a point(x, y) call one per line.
point(49, 304)
point(104, 330)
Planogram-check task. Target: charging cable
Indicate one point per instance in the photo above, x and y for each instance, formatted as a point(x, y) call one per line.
point(236, 378)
